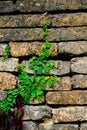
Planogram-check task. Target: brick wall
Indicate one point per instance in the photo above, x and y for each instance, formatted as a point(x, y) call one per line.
point(64, 106)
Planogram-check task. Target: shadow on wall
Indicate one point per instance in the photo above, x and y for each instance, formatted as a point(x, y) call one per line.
point(4, 122)
point(14, 1)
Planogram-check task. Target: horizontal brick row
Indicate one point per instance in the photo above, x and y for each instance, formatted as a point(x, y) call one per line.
point(58, 34)
point(30, 48)
point(41, 6)
point(67, 97)
point(70, 114)
point(77, 65)
point(18, 49)
point(38, 20)
point(8, 81)
point(60, 68)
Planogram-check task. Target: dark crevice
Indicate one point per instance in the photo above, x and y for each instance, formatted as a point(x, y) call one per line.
point(38, 26)
point(74, 89)
point(15, 12)
point(69, 57)
point(73, 122)
point(37, 40)
point(66, 105)
point(67, 11)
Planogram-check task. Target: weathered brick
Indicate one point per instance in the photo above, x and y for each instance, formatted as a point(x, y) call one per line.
point(35, 100)
point(10, 65)
point(21, 34)
point(73, 19)
point(70, 114)
point(41, 6)
point(72, 48)
point(3, 94)
point(83, 126)
point(2, 47)
point(46, 125)
point(65, 127)
point(64, 83)
point(79, 65)
point(79, 81)
point(36, 112)
point(58, 34)
point(29, 125)
point(67, 97)
point(61, 68)
point(32, 48)
point(65, 34)
point(7, 81)
point(38, 20)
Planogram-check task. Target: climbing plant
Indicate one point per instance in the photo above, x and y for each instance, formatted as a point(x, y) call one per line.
point(33, 86)
point(6, 52)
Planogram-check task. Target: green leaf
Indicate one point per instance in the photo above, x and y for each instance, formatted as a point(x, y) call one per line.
point(47, 53)
point(37, 79)
point(43, 80)
point(39, 98)
point(42, 86)
point(47, 44)
point(32, 59)
point(46, 33)
point(39, 92)
point(10, 91)
point(31, 67)
point(33, 94)
point(47, 77)
point(56, 79)
point(51, 63)
point(38, 69)
point(47, 23)
point(46, 69)
point(41, 57)
point(32, 78)
point(11, 104)
point(50, 82)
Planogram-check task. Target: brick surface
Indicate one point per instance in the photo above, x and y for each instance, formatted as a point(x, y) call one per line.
point(41, 6)
point(83, 126)
point(46, 125)
point(2, 48)
point(38, 20)
point(10, 65)
point(70, 114)
point(79, 65)
point(60, 68)
point(64, 83)
point(67, 97)
point(73, 48)
point(36, 112)
point(58, 34)
point(3, 94)
point(79, 81)
point(7, 81)
point(29, 48)
point(65, 127)
point(29, 125)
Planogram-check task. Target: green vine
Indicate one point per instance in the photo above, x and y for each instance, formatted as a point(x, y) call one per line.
point(6, 53)
point(33, 86)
